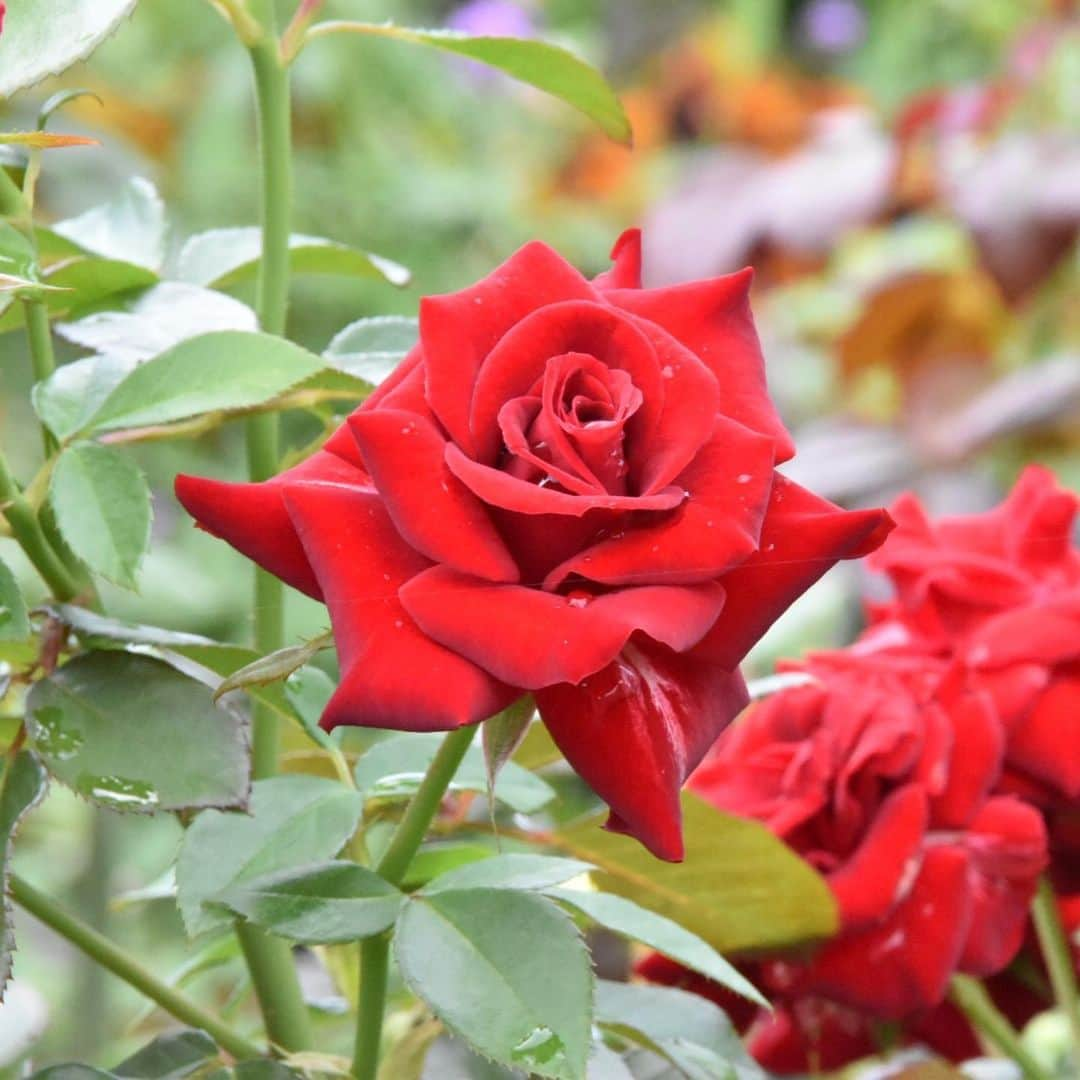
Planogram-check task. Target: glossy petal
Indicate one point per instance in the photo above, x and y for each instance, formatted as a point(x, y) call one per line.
point(1047, 742)
point(883, 867)
point(713, 320)
point(715, 529)
point(497, 488)
point(802, 537)
point(903, 964)
point(429, 505)
point(533, 639)
point(1007, 844)
point(458, 330)
point(253, 519)
point(974, 764)
point(393, 676)
point(635, 731)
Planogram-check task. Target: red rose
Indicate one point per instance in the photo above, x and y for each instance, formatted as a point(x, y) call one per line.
point(1000, 591)
point(879, 774)
point(567, 487)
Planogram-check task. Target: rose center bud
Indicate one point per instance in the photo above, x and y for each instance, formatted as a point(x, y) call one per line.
point(569, 429)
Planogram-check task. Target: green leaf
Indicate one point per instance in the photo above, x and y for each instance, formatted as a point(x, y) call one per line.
point(130, 227)
point(393, 769)
point(547, 67)
point(605, 1064)
point(102, 507)
point(14, 621)
point(58, 100)
point(624, 917)
point(223, 257)
point(219, 371)
point(293, 820)
point(323, 904)
point(689, 1030)
point(275, 666)
point(170, 1057)
point(512, 871)
point(45, 37)
point(371, 348)
point(71, 1071)
point(441, 856)
point(69, 397)
point(506, 971)
point(503, 733)
point(17, 256)
point(22, 788)
point(149, 322)
point(132, 733)
point(740, 887)
point(308, 691)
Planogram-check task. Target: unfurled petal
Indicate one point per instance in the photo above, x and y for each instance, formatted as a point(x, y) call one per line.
point(635, 731)
point(393, 675)
point(533, 639)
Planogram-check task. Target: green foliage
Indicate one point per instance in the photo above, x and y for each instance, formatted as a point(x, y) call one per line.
point(292, 821)
point(740, 887)
point(511, 871)
point(506, 971)
point(320, 904)
point(102, 506)
point(692, 1033)
point(503, 733)
point(22, 788)
point(132, 733)
point(169, 1057)
point(394, 767)
point(629, 919)
point(67, 400)
point(371, 348)
point(273, 667)
point(538, 63)
point(45, 37)
point(14, 621)
point(226, 370)
point(223, 257)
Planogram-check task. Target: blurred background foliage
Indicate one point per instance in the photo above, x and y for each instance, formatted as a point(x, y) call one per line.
point(904, 175)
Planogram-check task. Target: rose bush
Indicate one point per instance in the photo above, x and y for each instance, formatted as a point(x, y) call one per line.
point(568, 487)
point(880, 773)
point(1000, 592)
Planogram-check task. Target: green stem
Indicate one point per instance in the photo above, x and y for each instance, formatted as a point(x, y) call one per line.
point(27, 530)
point(392, 866)
point(970, 996)
point(269, 959)
point(12, 201)
point(126, 967)
point(374, 968)
point(1058, 957)
point(39, 336)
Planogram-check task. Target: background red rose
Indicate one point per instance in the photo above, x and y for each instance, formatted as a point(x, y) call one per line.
point(880, 774)
point(568, 488)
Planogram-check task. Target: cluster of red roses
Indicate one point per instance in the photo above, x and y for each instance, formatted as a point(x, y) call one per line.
point(931, 772)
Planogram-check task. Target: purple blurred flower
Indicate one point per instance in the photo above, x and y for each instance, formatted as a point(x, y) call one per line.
point(492, 18)
point(833, 26)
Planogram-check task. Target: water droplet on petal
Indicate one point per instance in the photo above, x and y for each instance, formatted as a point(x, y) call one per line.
point(667, 371)
point(579, 599)
point(399, 623)
point(743, 478)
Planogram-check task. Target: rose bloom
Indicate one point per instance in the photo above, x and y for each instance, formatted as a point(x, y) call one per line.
point(880, 773)
point(567, 487)
point(1000, 592)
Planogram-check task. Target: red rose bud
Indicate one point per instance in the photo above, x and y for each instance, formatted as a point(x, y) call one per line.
point(567, 487)
point(1000, 592)
point(880, 775)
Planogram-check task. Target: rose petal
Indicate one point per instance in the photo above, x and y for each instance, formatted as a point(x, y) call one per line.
point(713, 320)
point(458, 330)
point(905, 963)
point(429, 505)
point(974, 765)
point(625, 272)
point(393, 676)
point(533, 639)
point(635, 730)
point(1046, 743)
point(253, 519)
point(501, 489)
point(715, 529)
point(801, 538)
point(883, 867)
point(517, 363)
